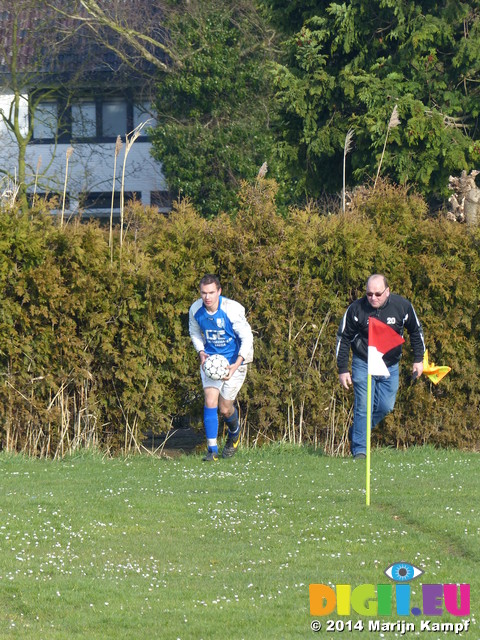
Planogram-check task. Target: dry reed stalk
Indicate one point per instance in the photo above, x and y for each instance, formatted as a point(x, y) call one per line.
point(11, 436)
point(245, 430)
point(68, 156)
point(9, 194)
point(63, 445)
point(290, 422)
point(47, 448)
point(82, 436)
point(342, 445)
point(29, 400)
point(27, 445)
point(291, 435)
point(330, 439)
point(118, 147)
point(77, 423)
point(264, 435)
point(262, 172)
point(301, 422)
point(392, 123)
point(335, 444)
point(346, 149)
point(129, 141)
point(39, 163)
point(90, 434)
point(241, 422)
point(52, 401)
point(131, 436)
point(158, 451)
point(58, 438)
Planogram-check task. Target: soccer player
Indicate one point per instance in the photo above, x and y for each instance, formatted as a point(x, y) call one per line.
point(218, 325)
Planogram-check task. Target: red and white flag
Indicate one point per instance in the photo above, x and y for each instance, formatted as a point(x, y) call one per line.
point(381, 340)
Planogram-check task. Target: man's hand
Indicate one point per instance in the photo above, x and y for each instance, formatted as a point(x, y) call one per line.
point(345, 380)
point(231, 370)
point(417, 368)
point(202, 356)
point(233, 367)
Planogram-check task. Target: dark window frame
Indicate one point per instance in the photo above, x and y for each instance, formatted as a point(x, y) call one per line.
point(49, 196)
point(96, 200)
point(64, 128)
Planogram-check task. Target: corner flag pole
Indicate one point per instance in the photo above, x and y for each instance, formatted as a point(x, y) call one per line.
point(381, 340)
point(369, 429)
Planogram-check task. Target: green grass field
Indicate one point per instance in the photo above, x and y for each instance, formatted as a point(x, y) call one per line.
point(147, 548)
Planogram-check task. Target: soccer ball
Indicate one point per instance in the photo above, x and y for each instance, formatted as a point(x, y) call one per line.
point(216, 367)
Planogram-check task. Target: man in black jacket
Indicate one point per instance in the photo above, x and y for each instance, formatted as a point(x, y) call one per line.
point(399, 314)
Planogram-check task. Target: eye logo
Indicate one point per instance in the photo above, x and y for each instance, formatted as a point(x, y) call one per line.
point(402, 572)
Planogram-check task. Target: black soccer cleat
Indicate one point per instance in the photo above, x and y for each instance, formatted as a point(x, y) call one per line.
point(211, 456)
point(231, 447)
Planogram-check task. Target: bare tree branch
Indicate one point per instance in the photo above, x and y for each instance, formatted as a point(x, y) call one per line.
point(154, 50)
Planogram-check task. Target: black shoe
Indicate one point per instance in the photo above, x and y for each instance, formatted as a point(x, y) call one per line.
point(211, 456)
point(231, 447)
point(359, 456)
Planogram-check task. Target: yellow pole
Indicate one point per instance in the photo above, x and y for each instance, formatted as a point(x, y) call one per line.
point(369, 429)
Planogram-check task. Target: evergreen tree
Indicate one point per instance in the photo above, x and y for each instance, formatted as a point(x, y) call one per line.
point(352, 63)
point(214, 111)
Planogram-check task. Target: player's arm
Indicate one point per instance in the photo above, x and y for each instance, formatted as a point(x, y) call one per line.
point(202, 356)
point(233, 367)
point(196, 335)
point(417, 341)
point(345, 335)
point(243, 330)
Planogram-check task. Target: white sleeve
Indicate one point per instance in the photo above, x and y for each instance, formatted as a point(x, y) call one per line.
point(240, 325)
point(194, 328)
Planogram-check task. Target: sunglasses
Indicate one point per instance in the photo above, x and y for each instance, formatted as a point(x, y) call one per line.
point(376, 294)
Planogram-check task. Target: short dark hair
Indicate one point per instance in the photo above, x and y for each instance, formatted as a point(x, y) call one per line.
point(210, 278)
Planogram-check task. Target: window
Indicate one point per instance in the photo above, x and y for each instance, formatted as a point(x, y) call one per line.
point(114, 119)
point(161, 199)
point(46, 119)
point(142, 113)
point(103, 199)
point(54, 199)
point(90, 119)
point(84, 119)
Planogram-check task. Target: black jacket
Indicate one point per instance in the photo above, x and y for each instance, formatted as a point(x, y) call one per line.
point(397, 313)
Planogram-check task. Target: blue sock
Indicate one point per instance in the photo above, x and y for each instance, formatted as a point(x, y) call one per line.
point(232, 424)
point(210, 422)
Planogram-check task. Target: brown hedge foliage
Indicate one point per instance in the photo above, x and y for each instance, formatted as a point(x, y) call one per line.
point(95, 353)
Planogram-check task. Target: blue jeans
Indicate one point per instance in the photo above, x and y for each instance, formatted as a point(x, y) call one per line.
point(384, 393)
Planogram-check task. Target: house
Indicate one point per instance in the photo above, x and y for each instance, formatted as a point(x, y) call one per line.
point(74, 98)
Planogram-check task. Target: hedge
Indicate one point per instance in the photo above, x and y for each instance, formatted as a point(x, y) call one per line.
point(96, 353)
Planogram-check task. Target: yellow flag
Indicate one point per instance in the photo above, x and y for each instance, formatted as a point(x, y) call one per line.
point(434, 372)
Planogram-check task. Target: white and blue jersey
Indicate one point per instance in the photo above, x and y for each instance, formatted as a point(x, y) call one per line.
point(226, 331)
